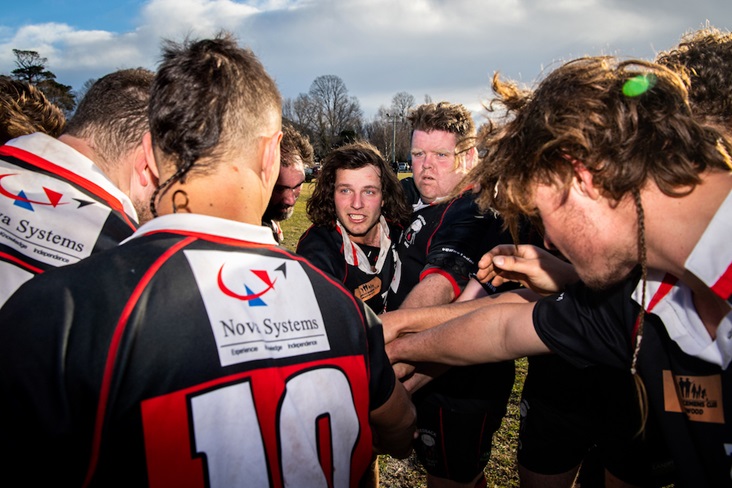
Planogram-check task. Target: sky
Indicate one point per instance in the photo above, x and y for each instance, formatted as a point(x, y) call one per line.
point(444, 49)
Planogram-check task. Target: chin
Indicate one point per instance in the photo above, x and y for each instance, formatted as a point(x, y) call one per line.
point(608, 278)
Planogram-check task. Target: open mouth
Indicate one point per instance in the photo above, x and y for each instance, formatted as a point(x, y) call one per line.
point(357, 218)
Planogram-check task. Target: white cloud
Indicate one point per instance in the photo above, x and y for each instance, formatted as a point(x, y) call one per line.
point(444, 48)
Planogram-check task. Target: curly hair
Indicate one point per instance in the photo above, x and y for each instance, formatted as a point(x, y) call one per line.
point(625, 121)
point(320, 206)
point(24, 109)
point(294, 145)
point(209, 98)
point(112, 116)
point(706, 57)
point(447, 117)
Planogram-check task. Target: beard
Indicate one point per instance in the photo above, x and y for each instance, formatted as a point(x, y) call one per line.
point(144, 214)
point(609, 277)
point(278, 212)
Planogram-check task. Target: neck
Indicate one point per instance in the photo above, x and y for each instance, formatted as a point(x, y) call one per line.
point(371, 238)
point(674, 225)
point(229, 192)
point(82, 146)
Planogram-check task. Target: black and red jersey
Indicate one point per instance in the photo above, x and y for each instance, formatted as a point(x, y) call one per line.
point(197, 353)
point(448, 238)
point(56, 208)
point(689, 397)
point(332, 251)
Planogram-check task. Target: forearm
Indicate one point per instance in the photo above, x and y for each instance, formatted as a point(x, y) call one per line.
point(405, 321)
point(488, 334)
point(394, 424)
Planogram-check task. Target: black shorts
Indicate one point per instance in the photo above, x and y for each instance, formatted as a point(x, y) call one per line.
point(457, 415)
point(568, 411)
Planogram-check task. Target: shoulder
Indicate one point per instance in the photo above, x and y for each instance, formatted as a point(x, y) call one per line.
point(318, 236)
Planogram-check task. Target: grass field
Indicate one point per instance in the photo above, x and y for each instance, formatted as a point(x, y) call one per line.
point(501, 470)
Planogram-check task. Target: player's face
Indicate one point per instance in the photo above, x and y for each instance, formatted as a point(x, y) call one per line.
point(434, 163)
point(358, 200)
point(598, 238)
point(285, 193)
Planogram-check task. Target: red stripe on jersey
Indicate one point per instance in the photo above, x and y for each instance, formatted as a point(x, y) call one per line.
point(114, 349)
point(20, 263)
point(437, 227)
point(723, 286)
point(441, 272)
point(325, 447)
point(46, 165)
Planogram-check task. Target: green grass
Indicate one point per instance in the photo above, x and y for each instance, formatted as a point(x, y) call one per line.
point(501, 469)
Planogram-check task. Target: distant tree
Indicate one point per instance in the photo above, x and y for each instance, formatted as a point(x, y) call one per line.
point(402, 103)
point(327, 114)
point(79, 94)
point(390, 131)
point(31, 68)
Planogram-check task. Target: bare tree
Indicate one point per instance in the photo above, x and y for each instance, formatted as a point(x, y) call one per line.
point(335, 114)
point(402, 103)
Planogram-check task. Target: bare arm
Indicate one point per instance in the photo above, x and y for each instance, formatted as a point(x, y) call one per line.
point(529, 265)
point(394, 424)
point(434, 289)
point(404, 321)
point(489, 334)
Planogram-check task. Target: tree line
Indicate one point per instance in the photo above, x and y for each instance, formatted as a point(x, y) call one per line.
point(327, 114)
point(332, 118)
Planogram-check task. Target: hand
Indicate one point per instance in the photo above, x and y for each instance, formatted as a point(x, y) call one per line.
point(391, 325)
point(422, 375)
point(403, 371)
point(531, 266)
point(413, 379)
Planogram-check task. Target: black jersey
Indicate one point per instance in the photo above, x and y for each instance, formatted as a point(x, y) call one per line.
point(690, 397)
point(347, 262)
point(446, 238)
point(56, 208)
point(197, 353)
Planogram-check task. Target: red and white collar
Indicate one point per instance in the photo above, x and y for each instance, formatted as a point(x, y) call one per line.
point(710, 261)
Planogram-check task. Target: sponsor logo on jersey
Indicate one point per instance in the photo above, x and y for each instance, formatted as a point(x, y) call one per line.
point(254, 299)
point(40, 220)
point(410, 235)
point(258, 306)
point(700, 397)
point(53, 198)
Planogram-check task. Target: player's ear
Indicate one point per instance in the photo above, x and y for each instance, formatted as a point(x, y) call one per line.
point(146, 168)
point(271, 159)
point(584, 181)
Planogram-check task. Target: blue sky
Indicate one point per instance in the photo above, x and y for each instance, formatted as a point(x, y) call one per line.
point(447, 49)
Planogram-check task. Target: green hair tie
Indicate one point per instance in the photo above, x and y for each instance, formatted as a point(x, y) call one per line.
point(638, 85)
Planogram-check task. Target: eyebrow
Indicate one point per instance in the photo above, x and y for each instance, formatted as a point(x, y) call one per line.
point(285, 187)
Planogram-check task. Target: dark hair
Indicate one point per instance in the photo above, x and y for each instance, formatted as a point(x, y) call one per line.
point(210, 97)
point(447, 117)
point(706, 57)
point(320, 206)
point(294, 145)
point(24, 109)
point(625, 121)
point(112, 116)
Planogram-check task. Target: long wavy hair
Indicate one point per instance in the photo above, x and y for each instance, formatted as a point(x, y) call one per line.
point(320, 206)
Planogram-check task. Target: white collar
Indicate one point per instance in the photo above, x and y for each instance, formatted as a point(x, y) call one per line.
point(709, 261)
point(207, 225)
